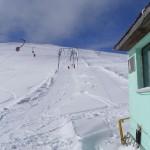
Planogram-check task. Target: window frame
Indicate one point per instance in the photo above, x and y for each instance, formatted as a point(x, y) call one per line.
point(143, 64)
point(131, 64)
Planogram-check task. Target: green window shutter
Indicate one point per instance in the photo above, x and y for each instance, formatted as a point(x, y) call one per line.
point(146, 65)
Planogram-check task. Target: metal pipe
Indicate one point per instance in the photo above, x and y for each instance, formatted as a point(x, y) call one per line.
point(122, 136)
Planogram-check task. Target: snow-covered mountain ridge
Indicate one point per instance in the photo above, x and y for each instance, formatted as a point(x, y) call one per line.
point(42, 108)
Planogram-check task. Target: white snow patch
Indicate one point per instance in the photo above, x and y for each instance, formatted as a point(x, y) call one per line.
point(45, 109)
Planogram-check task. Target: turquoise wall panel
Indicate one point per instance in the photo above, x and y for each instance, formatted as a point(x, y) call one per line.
point(139, 103)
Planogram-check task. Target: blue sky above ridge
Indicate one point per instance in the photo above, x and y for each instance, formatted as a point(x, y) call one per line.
point(91, 24)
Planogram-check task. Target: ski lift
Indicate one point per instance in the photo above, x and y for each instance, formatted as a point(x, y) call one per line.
point(19, 47)
point(70, 54)
point(33, 52)
point(59, 56)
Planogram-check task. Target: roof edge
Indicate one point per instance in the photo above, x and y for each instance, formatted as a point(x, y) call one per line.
point(135, 29)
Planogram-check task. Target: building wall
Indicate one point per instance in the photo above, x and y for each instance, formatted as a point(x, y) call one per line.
point(139, 102)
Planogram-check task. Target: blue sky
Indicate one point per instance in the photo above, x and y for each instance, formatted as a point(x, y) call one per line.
point(91, 24)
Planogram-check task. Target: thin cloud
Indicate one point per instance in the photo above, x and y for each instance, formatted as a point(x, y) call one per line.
point(101, 45)
point(43, 20)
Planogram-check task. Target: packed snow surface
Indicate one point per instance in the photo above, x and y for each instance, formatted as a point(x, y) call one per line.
point(73, 108)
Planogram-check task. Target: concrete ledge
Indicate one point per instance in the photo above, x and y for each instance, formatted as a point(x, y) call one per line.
point(143, 90)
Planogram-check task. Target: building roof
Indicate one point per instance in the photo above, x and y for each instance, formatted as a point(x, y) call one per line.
point(137, 31)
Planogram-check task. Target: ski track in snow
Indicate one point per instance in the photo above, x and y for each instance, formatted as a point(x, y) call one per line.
point(50, 115)
point(38, 91)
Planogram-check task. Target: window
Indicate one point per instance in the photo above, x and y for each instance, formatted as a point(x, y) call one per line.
point(131, 64)
point(146, 65)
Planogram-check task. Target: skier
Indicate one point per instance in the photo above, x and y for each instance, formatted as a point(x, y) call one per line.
point(33, 52)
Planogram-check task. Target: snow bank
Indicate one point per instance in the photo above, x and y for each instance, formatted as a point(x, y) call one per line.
point(128, 148)
point(49, 110)
point(60, 137)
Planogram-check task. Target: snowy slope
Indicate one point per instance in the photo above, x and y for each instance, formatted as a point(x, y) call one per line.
point(42, 108)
